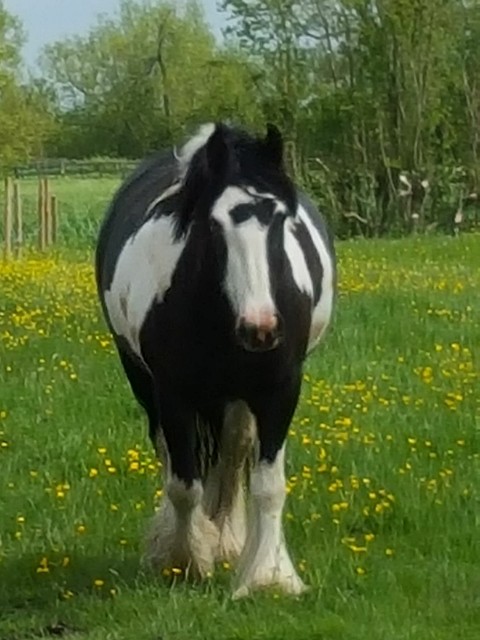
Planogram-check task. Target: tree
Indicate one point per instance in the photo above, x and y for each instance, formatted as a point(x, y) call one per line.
point(270, 31)
point(367, 87)
point(138, 79)
point(24, 124)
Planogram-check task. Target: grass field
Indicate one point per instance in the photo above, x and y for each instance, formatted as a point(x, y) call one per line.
point(383, 512)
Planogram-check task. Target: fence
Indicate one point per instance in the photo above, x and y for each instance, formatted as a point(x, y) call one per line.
point(62, 167)
point(47, 216)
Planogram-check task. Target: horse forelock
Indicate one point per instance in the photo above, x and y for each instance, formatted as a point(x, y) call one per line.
point(192, 146)
point(244, 163)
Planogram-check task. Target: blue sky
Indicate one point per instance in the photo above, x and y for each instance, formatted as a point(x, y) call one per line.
point(48, 20)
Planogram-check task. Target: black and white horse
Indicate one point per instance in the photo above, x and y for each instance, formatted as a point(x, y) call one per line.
point(217, 277)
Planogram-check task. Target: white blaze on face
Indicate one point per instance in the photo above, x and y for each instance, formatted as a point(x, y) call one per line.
point(247, 278)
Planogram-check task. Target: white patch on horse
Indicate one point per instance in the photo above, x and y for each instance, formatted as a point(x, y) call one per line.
point(142, 275)
point(322, 312)
point(247, 278)
point(182, 535)
point(265, 560)
point(296, 257)
point(224, 497)
point(191, 147)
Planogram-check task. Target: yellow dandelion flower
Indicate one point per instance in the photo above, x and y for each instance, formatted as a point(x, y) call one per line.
point(43, 566)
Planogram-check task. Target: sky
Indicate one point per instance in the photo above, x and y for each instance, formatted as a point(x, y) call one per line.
point(46, 21)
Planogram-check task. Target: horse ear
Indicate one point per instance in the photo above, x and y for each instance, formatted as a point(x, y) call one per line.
point(217, 152)
point(273, 143)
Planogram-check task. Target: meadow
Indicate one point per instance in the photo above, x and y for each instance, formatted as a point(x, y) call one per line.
point(383, 511)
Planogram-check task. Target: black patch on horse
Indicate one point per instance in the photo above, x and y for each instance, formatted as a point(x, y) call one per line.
point(263, 210)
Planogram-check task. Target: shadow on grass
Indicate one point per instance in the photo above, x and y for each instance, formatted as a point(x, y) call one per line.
point(30, 581)
point(35, 603)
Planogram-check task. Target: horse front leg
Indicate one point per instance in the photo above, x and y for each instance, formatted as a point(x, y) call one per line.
point(265, 560)
point(182, 534)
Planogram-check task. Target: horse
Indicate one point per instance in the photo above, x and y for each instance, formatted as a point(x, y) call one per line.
point(217, 277)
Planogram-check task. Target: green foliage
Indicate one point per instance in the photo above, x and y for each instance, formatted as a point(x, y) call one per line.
point(137, 80)
point(370, 89)
point(24, 123)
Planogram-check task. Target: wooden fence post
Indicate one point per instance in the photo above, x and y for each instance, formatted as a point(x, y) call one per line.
point(18, 215)
point(54, 218)
point(41, 215)
point(46, 204)
point(8, 218)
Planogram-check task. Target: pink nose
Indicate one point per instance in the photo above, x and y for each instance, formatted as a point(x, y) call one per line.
point(265, 321)
point(259, 330)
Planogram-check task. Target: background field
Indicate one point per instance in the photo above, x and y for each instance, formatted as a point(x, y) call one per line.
point(81, 204)
point(382, 517)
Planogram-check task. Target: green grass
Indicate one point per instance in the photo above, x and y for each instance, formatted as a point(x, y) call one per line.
point(383, 511)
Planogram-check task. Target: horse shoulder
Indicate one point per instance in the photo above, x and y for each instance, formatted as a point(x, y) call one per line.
point(142, 276)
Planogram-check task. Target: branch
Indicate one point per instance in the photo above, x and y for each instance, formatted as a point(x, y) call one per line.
point(353, 214)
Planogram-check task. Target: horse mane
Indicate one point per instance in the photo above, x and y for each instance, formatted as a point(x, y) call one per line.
point(220, 155)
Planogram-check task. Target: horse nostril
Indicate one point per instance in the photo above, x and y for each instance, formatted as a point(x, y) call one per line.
point(253, 337)
point(262, 335)
point(242, 333)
